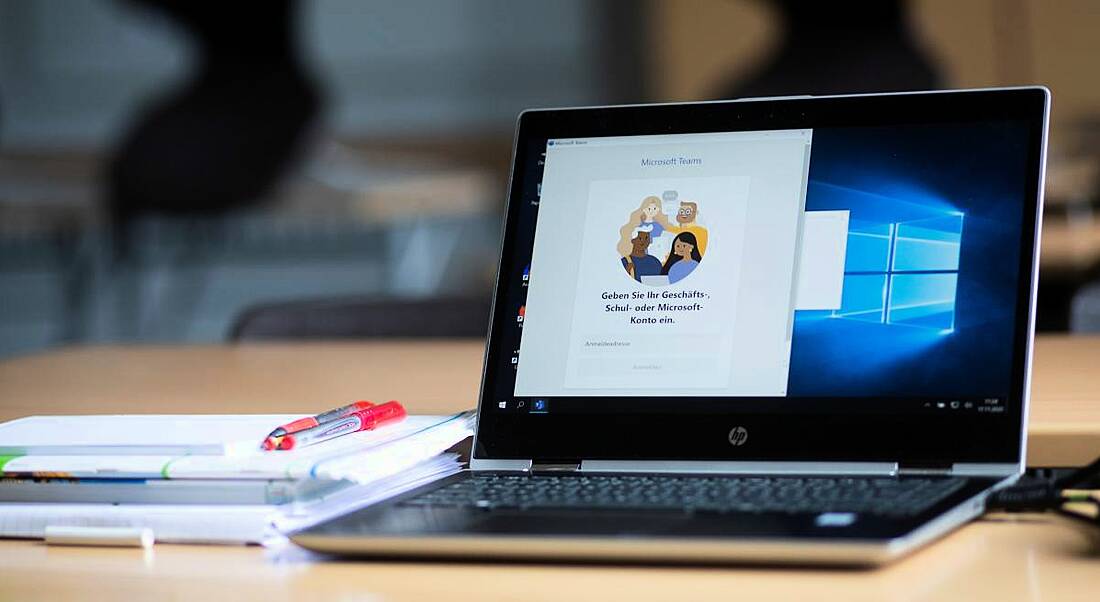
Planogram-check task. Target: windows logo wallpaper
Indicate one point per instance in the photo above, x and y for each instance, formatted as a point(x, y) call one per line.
point(931, 270)
point(903, 272)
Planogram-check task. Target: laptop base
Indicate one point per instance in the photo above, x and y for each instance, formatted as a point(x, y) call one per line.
point(395, 529)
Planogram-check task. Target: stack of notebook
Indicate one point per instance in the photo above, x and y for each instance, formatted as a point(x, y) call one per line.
point(204, 478)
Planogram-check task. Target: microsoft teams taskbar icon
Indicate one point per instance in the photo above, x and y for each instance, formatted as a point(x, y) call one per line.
point(538, 405)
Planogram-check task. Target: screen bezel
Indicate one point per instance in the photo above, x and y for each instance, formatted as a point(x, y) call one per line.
point(789, 437)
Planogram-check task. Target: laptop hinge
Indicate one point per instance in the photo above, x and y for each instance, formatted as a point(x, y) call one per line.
point(499, 465)
point(964, 469)
point(555, 466)
point(926, 470)
point(741, 467)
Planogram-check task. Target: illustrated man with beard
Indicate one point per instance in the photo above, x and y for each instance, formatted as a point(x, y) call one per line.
point(685, 217)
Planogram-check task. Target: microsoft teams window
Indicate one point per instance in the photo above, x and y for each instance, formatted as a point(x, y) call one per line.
point(835, 262)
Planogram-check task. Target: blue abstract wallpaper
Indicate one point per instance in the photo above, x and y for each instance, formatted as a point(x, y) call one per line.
point(931, 270)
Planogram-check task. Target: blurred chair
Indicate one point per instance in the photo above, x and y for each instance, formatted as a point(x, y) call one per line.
point(1085, 310)
point(216, 143)
point(222, 139)
point(357, 317)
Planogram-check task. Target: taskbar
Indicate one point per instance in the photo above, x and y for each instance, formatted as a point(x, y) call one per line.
point(988, 406)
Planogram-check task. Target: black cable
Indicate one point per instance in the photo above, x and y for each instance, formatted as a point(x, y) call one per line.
point(1048, 495)
point(1079, 476)
point(1026, 497)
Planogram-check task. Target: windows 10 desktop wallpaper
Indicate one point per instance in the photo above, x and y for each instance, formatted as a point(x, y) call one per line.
point(931, 272)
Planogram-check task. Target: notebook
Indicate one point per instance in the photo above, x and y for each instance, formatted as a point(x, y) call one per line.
point(217, 524)
point(353, 457)
point(229, 498)
point(154, 434)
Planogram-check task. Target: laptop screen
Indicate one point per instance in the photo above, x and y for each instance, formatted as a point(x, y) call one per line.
point(840, 269)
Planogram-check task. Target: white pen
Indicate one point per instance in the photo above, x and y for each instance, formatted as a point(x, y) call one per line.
point(128, 537)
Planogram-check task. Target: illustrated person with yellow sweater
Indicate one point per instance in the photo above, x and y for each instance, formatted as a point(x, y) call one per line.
point(685, 218)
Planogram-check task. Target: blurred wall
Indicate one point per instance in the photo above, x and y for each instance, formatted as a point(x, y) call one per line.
point(469, 66)
point(72, 72)
point(699, 43)
point(398, 193)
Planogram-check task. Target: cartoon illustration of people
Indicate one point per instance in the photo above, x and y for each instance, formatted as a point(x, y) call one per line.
point(648, 217)
point(643, 255)
point(683, 259)
point(640, 263)
point(685, 217)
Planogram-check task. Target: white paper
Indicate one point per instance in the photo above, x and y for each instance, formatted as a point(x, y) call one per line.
point(343, 458)
point(382, 463)
point(220, 524)
point(138, 434)
point(355, 457)
point(821, 260)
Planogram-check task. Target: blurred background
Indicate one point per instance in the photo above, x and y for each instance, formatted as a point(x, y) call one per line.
point(174, 172)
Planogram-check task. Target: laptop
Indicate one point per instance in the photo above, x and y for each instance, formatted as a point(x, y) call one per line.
point(781, 330)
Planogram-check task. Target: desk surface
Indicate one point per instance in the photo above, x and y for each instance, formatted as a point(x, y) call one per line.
point(1033, 557)
point(437, 377)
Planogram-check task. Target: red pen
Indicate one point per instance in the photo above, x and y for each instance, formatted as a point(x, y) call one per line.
point(363, 420)
point(302, 424)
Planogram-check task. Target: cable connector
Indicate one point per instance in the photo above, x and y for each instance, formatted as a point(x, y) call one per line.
point(1028, 497)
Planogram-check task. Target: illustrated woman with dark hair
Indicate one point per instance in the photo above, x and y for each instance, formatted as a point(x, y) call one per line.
point(683, 259)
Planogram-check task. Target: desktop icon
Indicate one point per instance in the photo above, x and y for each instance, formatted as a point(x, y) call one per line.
point(519, 316)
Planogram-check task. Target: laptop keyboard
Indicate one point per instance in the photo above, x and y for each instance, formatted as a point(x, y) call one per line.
point(883, 496)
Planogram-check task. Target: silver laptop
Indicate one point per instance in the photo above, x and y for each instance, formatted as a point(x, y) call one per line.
point(770, 330)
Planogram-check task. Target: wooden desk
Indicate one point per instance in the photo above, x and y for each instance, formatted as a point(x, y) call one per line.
point(1033, 557)
point(439, 377)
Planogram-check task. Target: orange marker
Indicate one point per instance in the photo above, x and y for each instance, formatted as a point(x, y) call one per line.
point(308, 422)
point(363, 420)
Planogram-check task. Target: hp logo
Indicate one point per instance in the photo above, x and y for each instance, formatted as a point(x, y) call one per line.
point(738, 436)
